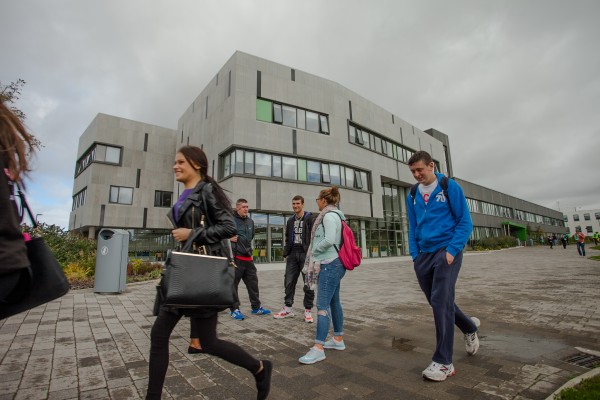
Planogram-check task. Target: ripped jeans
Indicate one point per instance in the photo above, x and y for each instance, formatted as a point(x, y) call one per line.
point(329, 307)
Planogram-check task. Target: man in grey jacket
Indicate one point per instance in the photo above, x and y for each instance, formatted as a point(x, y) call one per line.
point(242, 252)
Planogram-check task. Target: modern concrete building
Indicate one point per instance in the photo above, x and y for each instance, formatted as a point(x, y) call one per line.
point(586, 221)
point(123, 178)
point(272, 132)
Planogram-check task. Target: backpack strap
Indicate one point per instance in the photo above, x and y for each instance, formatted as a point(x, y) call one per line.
point(443, 185)
point(341, 226)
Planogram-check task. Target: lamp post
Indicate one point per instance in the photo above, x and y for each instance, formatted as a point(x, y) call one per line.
point(36, 218)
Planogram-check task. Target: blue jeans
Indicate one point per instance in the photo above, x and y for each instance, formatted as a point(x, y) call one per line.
point(437, 279)
point(581, 249)
point(329, 307)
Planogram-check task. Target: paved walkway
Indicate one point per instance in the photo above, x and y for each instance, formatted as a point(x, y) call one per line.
point(536, 306)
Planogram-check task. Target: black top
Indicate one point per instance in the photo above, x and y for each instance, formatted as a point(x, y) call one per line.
point(295, 227)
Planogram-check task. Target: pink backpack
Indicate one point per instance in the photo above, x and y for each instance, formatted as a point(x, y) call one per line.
point(350, 254)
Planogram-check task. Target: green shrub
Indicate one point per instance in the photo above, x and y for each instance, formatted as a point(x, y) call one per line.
point(68, 248)
point(494, 243)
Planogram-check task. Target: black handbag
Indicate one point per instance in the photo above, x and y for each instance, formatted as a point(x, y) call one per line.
point(48, 281)
point(197, 280)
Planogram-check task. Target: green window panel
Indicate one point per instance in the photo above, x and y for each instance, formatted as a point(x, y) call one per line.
point(264, 110)
point(301, 170)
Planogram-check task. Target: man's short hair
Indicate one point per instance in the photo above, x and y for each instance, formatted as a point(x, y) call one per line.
point(298, 197)
point(240, 201)
point(420, 156)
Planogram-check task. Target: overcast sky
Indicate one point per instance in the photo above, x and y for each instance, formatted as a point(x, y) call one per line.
point(515, 84)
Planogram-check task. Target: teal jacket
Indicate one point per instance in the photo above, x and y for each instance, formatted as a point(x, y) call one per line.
point(327, 234)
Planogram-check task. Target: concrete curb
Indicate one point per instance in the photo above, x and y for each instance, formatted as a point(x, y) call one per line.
point(575, 381)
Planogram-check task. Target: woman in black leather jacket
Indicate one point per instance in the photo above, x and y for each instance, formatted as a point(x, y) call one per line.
point(16, 146)
point(191, 169)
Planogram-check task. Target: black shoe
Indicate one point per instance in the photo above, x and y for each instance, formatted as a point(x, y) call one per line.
point(193, 350)
point(263, 380)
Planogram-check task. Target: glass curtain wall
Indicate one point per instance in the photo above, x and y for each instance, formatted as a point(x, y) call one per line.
point(385, 236)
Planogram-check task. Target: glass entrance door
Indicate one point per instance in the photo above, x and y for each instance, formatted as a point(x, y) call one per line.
point(276, 235)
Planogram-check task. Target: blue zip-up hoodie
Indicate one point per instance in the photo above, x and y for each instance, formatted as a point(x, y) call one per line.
point(437, 225)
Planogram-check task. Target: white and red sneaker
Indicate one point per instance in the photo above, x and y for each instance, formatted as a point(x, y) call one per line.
point(308, 316)
point(283, 314)
point(438, 372)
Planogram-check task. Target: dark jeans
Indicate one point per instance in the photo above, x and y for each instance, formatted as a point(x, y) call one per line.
point(437, 279)
point(294, 263)
point(206, 328)
point(581, 249)
point(246, 271)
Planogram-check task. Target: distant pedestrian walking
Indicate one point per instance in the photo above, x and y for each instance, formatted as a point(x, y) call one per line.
point(564, 239)
point(580, 237)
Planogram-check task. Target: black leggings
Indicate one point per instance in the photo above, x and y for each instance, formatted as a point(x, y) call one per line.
point(206, 329)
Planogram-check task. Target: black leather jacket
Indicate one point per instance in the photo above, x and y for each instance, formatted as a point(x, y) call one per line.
point(13, 253)
point(218, 221)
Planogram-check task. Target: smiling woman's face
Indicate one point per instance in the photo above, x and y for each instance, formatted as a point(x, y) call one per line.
point(184, 171)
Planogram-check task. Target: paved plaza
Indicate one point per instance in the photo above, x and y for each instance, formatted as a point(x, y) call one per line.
point(537, 306)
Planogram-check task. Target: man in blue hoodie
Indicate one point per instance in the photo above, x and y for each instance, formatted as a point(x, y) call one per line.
point(439, 227)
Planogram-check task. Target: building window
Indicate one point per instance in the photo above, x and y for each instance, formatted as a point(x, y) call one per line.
point(586, 216)
point(276, 166)
point(324, 123)
point(101, 153)
point(325, 173)
point(249, 162)
point(589, 229)
point(358, 180)
point(575, 217)
point(264, 111)
point(294, 117)
point(277, 114)
point(292, 168)
point(162, 199)
point(334, 174)
point(121, 195)
point(289, 116)
point(313, 170)
point(378, 144)
point(263, 164)
point(301, 119)
point(79, 199)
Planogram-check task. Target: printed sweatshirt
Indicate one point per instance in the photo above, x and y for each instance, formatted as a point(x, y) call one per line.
point(436, 225)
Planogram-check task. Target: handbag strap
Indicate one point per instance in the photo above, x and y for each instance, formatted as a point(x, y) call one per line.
point(25, 205)
point(228, 248)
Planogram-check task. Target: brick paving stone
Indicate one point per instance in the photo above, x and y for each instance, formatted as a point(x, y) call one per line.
point(96, 346)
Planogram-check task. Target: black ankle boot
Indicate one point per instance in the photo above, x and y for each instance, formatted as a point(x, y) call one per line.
point(263, 380)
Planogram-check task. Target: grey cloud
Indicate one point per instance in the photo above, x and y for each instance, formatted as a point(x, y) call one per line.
point(514, 84)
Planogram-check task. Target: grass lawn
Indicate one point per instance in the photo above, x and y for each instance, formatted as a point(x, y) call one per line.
point(587, 389)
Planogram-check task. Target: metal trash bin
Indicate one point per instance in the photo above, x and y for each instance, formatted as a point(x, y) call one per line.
point(111, 261)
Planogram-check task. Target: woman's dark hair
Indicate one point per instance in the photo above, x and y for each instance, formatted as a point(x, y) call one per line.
point(16, 145)
point(196, 157)
point(331, 195)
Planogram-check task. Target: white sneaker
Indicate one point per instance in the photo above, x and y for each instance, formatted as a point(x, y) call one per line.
point(283, 314)
point(472, 339)
point(438, 372)
point(308, 317)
